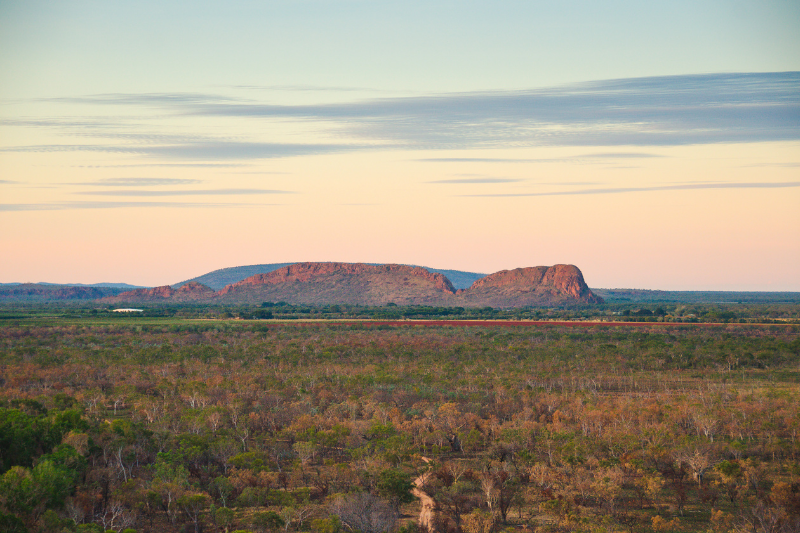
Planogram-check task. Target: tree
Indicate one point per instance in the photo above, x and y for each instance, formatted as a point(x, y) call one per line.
point(332, 524)
point(267, 521)
point(28, 492)
point(19, 491)
point(11, 524)
point(223, 517)
point(193, 505)
point(730, 479)
point(362, 512)
point(395, 486)
point(478, 522)
point(223, 487)
point(457, 499)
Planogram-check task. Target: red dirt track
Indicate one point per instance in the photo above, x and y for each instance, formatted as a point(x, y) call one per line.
point(517, 323)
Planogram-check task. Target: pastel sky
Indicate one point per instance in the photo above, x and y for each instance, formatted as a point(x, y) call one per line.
point(653, 144)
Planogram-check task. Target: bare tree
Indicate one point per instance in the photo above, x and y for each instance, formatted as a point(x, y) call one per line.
point(698, 459)
point(115, 516)
point(365, 513)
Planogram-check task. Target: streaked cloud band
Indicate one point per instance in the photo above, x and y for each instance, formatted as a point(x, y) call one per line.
point(638, 112)
point(63, 206)
point(188, 192)
point(619, 190)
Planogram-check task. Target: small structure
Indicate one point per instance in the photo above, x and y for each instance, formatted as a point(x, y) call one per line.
point(129, 310)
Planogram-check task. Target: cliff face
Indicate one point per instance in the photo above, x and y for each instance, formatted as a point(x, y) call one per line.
point(343, 283)
point(187, 293)
point(531, 286)
point(362, 284)
point(194, 289)
point(156, 294)
point(312, 272)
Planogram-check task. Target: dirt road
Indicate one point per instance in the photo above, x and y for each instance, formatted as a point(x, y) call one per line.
point(427, 505)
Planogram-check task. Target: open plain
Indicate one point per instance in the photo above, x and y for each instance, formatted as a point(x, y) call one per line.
point(189, 424)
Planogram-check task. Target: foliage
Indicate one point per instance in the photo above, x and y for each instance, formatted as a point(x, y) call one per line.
point(178, 425)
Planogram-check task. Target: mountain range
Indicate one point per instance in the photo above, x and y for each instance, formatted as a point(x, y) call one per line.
point(370, 284)
point(44, 292)
point(510, 292)
point(226, 276)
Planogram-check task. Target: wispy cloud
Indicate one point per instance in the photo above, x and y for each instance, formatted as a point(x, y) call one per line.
point(779, 165)
point(639, 112)
point(480, 160)
point(657, 111)
point(619, 155)
point(313, 88)
point(197, 151)
point(8, 182)
point(191, 165)
point(568, 183)
point(261, 172)
point(62, 206)
point(154, 99)
point(196, 192)
point(619, 190)
point(580, 158)
point(476, 180)
point(70, 123)
point(140, 182)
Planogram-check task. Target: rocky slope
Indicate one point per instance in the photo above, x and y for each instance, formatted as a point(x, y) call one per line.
point(342, 283)
point(218, 279)
point(191, 292)
point(530, 286)
point(365, 284)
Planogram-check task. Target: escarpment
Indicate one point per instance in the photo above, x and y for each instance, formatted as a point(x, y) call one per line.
point(374, 285)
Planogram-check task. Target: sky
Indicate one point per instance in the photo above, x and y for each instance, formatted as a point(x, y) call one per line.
point(655, 145)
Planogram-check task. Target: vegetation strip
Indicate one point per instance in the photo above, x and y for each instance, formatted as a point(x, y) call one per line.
point(166, 424)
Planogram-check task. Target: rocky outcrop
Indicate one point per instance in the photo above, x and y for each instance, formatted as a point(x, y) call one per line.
point(310, 272)
point(531, 286)
point(363, 284)
point(190, 292)
point(194, 288)
point(343, 283)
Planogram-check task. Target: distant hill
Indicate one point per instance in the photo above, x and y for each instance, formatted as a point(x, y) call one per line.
point(226, 276)
point(530, 286)
point(123, 286)
point(696, 297)
point(41, 292)
point(343, 283)
point(459, 279)
point(367, 284)
point(511, 288)
point(188, 292)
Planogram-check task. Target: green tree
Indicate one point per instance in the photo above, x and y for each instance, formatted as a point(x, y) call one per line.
point(193, 505)
point(332, 524)
point(395, 486)
point(222, 487)
point(223, 517)
point(11, 524)
point(267, 521)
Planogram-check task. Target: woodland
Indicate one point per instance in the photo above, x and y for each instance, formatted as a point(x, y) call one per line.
point(191, 420)
point(779, 308)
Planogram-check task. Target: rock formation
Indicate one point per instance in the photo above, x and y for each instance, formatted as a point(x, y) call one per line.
point(343, 283)
point(363, 284)
point(530, 286)
point(190, 292)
